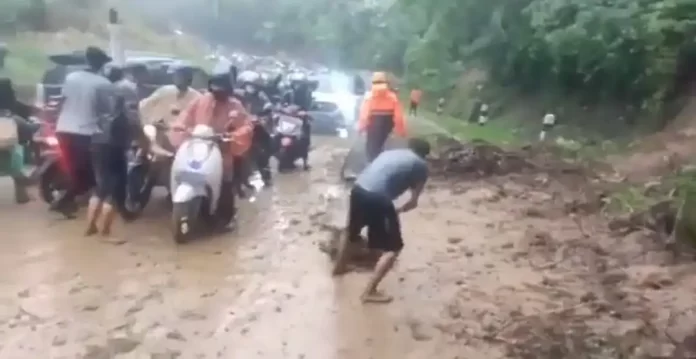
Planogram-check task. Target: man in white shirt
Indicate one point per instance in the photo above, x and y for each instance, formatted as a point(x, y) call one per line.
point(167, 101)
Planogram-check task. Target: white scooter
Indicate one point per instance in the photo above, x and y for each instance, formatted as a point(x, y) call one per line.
point(202, 194)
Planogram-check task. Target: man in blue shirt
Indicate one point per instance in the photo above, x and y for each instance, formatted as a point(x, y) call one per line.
point(385, 179)
point(86, 101)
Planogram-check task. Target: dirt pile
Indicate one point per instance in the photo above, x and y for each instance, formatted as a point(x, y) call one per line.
point(480, 159)
point(599, 296)
point(475, 159)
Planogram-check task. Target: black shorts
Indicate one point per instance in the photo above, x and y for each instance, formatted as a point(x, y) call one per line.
point(378, 214)
point(110, 172)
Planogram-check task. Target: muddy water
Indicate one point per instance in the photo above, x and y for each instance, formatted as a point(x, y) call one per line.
point(265, 292)
point(261, 292)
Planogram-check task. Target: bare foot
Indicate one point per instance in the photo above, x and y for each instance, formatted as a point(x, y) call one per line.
point(91, 230)
point(377, 298)
point(112, 240)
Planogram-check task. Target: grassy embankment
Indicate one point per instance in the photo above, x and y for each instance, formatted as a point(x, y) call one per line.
point(581, 135)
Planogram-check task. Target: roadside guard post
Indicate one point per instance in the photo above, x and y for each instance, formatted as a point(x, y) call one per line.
point(483, 115)
point(547, 123)
point(115, 41)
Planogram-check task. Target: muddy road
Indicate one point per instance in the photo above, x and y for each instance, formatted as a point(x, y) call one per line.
point(478, 262)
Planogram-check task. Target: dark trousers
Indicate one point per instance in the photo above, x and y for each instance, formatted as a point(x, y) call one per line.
point(306, 139)
point(413, 109)
point(262, 158)
point(377, 133)
point(77, 162)
point(377, 213)
point(110, 166)
point(263, 147)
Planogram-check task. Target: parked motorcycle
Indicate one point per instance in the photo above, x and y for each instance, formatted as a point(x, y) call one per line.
point(203, 196)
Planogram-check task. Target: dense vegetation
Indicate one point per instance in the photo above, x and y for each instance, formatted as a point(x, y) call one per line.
point(638, 52)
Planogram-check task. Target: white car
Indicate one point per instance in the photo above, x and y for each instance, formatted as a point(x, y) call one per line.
point(337, 102)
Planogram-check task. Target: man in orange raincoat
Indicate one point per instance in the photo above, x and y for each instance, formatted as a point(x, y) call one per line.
point(218, 109)
point(380, 114)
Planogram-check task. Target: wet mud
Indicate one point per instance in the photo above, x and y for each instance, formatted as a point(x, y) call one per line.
point(493, 268)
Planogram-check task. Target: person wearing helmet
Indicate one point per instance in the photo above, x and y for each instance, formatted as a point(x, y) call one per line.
point(273, 90)
point(225, 114)
point(259, 106)
point(168, 101)
point(252, 92)
point(300, 95)
point(380, 114)
point(300, 92)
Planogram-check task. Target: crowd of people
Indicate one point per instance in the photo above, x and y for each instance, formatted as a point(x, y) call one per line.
point(102, 114)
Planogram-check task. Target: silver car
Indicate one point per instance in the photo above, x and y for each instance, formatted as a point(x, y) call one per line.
point(337, 102)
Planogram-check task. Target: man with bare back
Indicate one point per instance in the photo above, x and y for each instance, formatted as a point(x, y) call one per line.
point(385, 179)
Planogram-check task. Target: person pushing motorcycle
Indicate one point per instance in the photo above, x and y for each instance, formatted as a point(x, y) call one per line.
point(259, 105)
point(380, 115)
point(225, 114)
point(169, 100)
point(300, 95)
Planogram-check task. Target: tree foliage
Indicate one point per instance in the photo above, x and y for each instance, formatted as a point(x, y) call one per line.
point(635, 51)
point(639, 52)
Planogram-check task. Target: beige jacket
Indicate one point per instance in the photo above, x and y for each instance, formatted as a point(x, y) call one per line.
point(165, 104)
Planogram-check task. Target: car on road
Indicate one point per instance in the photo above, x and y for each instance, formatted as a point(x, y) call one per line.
point(337, 99)
point(48, 90)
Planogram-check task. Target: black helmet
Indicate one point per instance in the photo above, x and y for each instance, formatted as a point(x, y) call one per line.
point(220, 81)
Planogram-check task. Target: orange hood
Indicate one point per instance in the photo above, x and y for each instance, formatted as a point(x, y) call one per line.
point(380, 90)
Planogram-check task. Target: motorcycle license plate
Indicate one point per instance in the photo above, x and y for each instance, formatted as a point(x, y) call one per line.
point(286, 141)
point(194, 178)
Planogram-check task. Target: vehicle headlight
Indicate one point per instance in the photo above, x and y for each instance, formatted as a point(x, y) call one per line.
point(286, 127)
point(51, 141)
point(150, 131)
point(199, 151)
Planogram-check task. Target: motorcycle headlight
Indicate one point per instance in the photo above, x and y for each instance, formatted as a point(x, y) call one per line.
point(286, 127)
point(51, 141)
point(199, 151)
point(150, 131)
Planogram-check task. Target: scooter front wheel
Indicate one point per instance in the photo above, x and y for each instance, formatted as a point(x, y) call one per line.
point(185, 220)
point(139, 191)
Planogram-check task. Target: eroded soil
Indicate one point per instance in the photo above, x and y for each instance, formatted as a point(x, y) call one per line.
point(493, 267)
